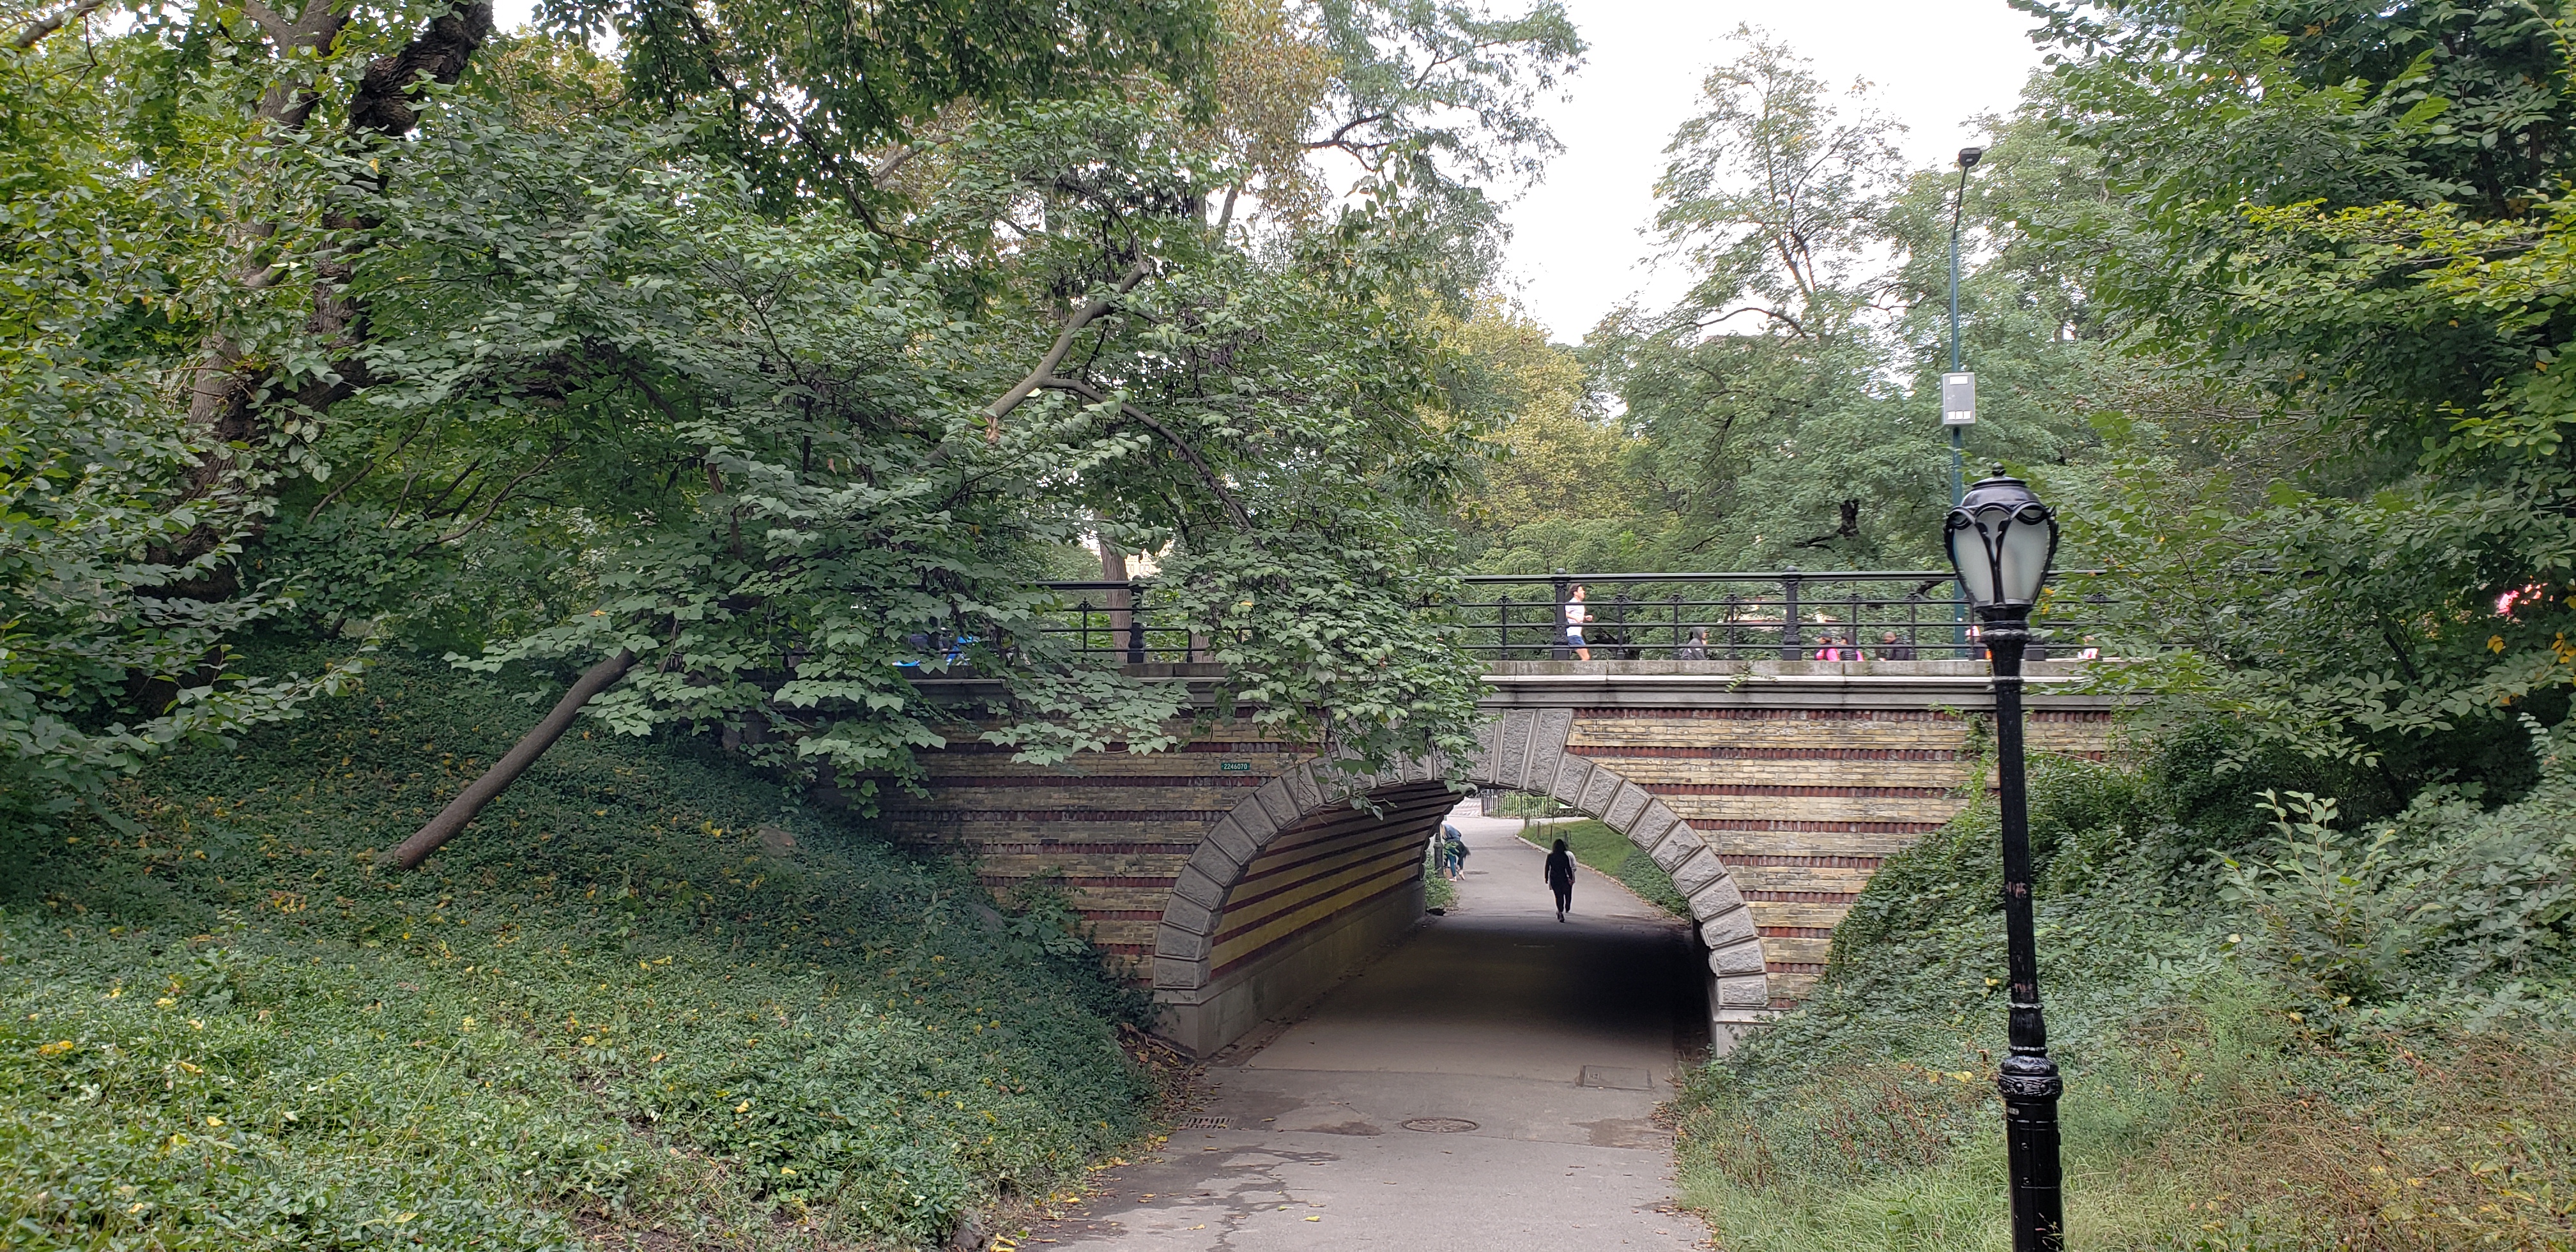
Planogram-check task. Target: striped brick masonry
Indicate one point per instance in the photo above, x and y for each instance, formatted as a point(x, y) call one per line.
point(1241, 876)
point(1803, 776)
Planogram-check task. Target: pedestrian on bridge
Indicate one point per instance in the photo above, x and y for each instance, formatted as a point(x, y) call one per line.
point(1560, 878)
point(1575, 616)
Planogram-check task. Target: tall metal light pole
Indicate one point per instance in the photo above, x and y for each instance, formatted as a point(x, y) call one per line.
point(1958, 387)
point(2001, 539)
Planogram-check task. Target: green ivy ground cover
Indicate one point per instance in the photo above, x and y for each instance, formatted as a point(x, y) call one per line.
point(2228, 1087)
point(621, 1001)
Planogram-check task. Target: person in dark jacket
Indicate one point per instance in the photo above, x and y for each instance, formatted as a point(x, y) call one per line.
point(1560, 878)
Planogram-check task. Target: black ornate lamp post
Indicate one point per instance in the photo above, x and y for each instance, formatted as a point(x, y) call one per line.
point(2001, 539)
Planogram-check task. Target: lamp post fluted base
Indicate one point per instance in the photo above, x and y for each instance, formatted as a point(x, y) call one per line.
point(2030, 1088)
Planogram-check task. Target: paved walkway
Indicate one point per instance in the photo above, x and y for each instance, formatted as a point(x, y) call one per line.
point(1533, 1052)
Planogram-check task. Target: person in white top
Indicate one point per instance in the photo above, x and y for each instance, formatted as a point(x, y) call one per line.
point(1575, 616)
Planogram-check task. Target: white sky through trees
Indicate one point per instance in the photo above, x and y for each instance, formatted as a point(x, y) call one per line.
point(1577, 250)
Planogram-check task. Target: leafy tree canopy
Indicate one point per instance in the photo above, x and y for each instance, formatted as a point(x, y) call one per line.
point(758, 366)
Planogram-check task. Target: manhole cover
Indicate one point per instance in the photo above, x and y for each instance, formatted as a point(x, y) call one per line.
point(1207, 1123)
point(1439, 1125)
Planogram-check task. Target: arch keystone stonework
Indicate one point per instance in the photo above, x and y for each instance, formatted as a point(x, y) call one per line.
point(1298, 884)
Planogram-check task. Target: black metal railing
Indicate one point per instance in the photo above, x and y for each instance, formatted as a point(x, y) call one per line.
point(1128, 623)
point(1879, 615)
point(1791, 614)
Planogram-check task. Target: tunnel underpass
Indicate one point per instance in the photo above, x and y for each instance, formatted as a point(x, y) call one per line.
point(1488, 1080)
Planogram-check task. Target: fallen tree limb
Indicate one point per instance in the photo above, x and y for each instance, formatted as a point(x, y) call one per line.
point(469, 802)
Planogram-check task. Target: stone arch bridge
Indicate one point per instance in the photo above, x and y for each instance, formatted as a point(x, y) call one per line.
point(1240, 881)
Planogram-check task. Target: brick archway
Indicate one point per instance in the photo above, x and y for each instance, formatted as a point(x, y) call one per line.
point(1205, 967)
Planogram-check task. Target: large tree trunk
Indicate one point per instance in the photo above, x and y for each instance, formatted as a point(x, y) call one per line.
point(598, 678)
point(1113, 569)
point(224, 405)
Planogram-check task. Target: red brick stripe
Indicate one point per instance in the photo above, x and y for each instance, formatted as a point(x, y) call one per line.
point(1247, 746)
point(1326, 839)
point(1121, 915)
point(1793, 967)
point(1022, 782)
point(1082, 848)
point(1301, 933)
point(1782, 789)
point(950, 817)
point(1733, 861)
point(1771, 715)
point(1843, 828)
point(1264, 869)
point(1762, 754)
point(1005, 880)
point(1802, 897)
point(1374, 865)
point(1780, 932)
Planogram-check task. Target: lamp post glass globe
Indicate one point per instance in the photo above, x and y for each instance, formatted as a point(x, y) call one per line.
point(2001, 540)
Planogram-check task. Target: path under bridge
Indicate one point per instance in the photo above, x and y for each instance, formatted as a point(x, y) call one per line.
point(1240, 881)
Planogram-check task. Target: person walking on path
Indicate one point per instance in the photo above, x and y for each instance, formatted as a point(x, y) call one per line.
point(1453, 851)
point(1560, 878)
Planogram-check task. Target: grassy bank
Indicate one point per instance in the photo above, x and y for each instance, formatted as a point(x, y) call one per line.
point(1606, 851)
point(644, 993)
point(2256, 1055)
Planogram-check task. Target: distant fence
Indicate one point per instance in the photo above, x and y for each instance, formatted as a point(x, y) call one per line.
point(1882, 615)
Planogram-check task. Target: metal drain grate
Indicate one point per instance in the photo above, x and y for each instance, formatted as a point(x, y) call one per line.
point(1207, 1123)
point(1440, 1125)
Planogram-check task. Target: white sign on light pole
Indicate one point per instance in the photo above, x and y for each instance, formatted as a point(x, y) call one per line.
point(1958, 399)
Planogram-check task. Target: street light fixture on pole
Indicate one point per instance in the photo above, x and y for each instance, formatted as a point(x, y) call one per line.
point(1958, 387)
point(2001, 539)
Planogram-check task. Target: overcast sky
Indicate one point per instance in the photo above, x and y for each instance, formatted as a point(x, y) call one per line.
point(1576, 248)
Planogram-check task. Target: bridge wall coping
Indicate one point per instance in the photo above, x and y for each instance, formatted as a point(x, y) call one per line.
point(1780, 684)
